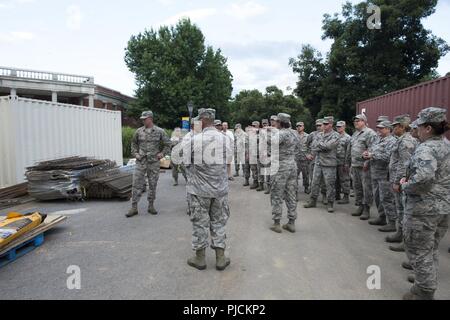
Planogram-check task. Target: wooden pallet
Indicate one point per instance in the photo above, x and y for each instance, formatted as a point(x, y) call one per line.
point(21, 249)
point(28, 241)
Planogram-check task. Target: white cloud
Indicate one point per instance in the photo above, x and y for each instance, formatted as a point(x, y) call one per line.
point(246, 10)
point(259, 73)
point(16, 36)
point(166, 2)
point(194, 15)
point(74, 17)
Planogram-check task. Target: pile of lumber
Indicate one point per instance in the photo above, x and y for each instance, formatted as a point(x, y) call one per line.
point(14, 195)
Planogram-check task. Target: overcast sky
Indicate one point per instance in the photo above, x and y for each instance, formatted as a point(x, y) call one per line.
point(88, 37)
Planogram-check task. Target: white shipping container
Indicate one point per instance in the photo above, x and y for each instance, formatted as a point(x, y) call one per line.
point(36, 130)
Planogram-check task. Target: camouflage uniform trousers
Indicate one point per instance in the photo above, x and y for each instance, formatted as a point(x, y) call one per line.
point(208, 215)
point(152, 171)
point(362, 184)
point(342, 180)
point(328, 176)
point(263, 172)
point(237, 164)
point(254, 168)
point(303, 167)
point(384, 198)
point(284, 187)
point(422, 235)
point(178, 168)
point(247, 170)
point(323, 190)
point(399, 199)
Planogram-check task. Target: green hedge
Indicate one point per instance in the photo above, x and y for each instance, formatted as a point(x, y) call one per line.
point(127, 136)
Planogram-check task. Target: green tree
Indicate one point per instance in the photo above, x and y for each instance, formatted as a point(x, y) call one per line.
point(172, 66)
point(362, 62)
point(253, 105)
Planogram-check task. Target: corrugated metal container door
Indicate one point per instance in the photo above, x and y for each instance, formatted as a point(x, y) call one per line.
point(409, 100)
point(35, 130)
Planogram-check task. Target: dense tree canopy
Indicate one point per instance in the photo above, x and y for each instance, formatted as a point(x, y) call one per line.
point(253, 105)
point(363, 62)
point(173, 66)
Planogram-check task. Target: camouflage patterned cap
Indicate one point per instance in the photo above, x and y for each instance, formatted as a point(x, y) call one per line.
point(340, 124)
point(284, 117)
point(414, 125)
point(319, 122)
point(383, 118)
point(384, 124)
point(265, 121)
point(432, 115)
point(217, 122)
point(404, 119)
point(300, 124)
point(146, 114)
point(194, 119)
point(206, 113)
point(274, 118)
point(360, 117)
point(238, 126)
point(255, 123)
point(328, 120)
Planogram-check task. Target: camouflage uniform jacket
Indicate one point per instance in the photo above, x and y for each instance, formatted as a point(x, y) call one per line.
point(361, 141)
point(148, 142)
point(428, 186)
point(381, 153)
point(326, 148)
point(343, 149)
point(209, 178)
point(302, 149)
point(400, 157)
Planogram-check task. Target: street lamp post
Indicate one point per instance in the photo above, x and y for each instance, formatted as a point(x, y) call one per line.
point(190, 107)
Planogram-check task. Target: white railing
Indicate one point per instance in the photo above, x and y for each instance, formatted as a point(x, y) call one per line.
point(43, 75)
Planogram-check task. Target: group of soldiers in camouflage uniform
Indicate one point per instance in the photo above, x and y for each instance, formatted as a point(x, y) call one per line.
point(404, 168)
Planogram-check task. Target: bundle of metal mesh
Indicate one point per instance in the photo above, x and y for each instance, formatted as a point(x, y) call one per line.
point(70, 178)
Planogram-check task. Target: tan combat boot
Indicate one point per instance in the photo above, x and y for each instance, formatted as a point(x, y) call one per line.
point(151, 208)
point(290, 226)
point(133, 211)
point(198, 261)
point(312, 203)
point(276, 226)
point(221, 261)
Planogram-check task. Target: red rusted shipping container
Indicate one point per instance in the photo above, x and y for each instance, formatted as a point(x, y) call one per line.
point(435, 93)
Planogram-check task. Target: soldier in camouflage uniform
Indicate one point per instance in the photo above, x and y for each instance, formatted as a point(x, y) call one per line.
point(272, 130)
point(326, 150)
point(362, 139)
point(263, 156)
point(376, 194)
point(311, 141)
point(207, 191)
point(254, 154)
point(379, 155)
point(400, 157)
point(284, 181)
point(428, 201)
point(239, 149)
point(247, 170)
point(343, 163)
point(149, 144)
point(301, 160)
point(177, 167)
